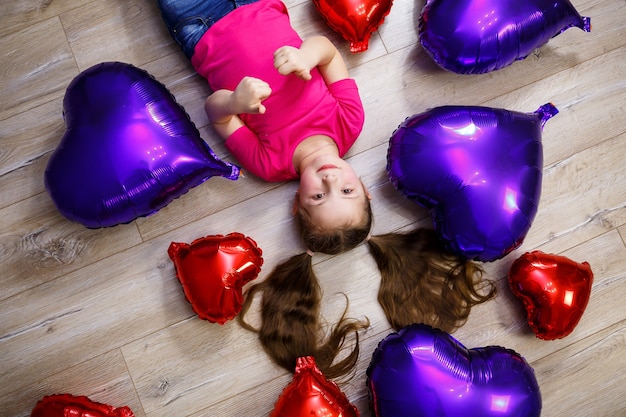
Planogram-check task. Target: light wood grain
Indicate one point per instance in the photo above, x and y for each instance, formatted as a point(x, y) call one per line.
point(101, 313)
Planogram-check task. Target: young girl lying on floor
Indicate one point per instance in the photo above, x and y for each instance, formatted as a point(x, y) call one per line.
point(287, 109)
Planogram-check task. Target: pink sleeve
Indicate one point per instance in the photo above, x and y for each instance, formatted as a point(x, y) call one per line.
point(244, 145)
point(347, 94)
point(353, 116)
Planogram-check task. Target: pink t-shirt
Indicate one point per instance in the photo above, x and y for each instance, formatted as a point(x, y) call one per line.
point(242, 44)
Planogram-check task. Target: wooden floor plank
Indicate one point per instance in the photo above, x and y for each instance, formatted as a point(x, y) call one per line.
point(104, 379)
point(36, 69)
point(87, 313)
point(39, 245)
point(569, 204)
point(116, 31)
point(573, 92)
point(17, 15)
point(567, 375)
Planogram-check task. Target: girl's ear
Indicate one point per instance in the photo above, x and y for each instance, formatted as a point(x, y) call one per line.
point(367, 193)
point(296, 204)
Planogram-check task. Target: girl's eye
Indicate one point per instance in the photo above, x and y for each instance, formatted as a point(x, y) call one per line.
point(347, 191)
point(318, 196)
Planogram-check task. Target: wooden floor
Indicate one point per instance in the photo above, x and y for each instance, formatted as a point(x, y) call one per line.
point(101, 313)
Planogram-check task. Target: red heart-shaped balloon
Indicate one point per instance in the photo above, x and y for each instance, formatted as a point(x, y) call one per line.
point(554, 289)
point(311, 394)
point(213, 270)
point(355, 20)
point(66, 405)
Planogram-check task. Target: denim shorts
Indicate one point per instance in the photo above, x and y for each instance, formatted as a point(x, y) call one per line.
point(188, 20)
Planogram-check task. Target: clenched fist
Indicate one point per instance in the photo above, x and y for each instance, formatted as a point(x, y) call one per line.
point(290, 60)
point(249, 94)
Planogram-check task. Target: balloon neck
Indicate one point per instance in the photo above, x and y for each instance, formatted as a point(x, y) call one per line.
point(359, 46)
point(586, 24)
point(240, 275)
point(232, 172)
point(305, 362)
point(547, 111)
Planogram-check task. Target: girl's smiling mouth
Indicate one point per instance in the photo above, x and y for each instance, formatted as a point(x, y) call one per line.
point(327, 166)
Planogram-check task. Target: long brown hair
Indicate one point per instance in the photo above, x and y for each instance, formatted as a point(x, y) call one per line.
point(290, 326)
point(421, 282)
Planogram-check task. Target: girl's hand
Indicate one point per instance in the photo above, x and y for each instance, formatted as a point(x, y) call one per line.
point(248, 96)
point(290, 60)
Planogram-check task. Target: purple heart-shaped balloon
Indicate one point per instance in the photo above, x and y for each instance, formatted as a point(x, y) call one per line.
point(478, 36)
point(129, 148)
point(423, 372)
point(477, 169)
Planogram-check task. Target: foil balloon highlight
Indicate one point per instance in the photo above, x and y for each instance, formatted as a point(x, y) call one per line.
point(477, 169)
point(129, 148)
point(311, 394)
point(478, 36)
point(554, 290)
point(66, 405)
point(354, 20)
point(213, 270)
point(424, 372)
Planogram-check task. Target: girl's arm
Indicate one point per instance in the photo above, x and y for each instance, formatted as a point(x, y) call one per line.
point(223, 106)
point(317, 51)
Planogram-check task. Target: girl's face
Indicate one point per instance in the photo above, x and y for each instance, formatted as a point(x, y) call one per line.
point(331, 193)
